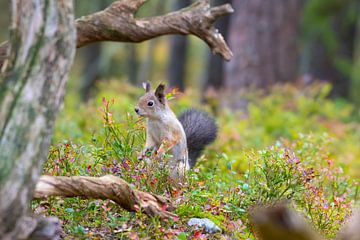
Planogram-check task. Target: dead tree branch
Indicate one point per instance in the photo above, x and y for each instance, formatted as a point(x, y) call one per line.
point(106, 187)
point(118, 23)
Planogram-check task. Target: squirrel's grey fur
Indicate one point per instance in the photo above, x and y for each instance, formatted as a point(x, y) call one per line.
point(200, 130)
point(186, 137)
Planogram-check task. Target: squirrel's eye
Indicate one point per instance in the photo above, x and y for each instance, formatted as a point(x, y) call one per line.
point(150, 103)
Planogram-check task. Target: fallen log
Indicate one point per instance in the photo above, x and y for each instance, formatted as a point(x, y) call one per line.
point(106, 187)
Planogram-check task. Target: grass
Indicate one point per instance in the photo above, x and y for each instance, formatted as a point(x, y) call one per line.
point(291, 144)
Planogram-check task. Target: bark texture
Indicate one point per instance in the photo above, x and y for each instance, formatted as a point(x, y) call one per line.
point(263, 36)
point(42, 47)
point(106, 187)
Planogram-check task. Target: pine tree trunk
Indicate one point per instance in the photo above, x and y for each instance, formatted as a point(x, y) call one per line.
point(42, 48)
point(263, 36)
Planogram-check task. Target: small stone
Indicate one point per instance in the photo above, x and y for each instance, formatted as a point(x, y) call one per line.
point(205, 223)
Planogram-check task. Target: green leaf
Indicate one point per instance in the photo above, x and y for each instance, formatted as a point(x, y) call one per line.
point(181, 236)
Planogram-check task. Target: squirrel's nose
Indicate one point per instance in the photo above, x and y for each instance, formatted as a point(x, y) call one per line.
point(137, 110)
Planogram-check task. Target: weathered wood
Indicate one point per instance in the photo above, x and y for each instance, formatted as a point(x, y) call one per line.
point(117, 23)
point(42, 47)
point(106, 187)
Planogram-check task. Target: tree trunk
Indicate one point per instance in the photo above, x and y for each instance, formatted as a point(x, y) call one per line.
point(355, 79)
point(178, 48)
point(91, 55)
point(147, 69)
point(330, 47)
point(42, 48)
point(214, 77)
point(91, 70)
point(133, 64)
point(263, 36)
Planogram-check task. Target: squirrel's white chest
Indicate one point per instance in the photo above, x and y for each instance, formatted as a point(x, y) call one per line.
point(170, 130)
point(158, 131)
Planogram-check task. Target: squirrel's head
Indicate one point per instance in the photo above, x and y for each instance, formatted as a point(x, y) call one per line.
point(152, 103)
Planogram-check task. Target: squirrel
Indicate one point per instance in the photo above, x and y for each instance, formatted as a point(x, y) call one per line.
point(185, 137)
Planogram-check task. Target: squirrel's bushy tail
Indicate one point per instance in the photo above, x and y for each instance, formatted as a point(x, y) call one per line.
point(200, 130)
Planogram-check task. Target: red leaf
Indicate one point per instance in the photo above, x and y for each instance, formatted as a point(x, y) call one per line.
point(197, 234)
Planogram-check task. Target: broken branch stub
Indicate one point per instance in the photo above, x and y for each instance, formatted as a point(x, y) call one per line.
point(106, 187)
point(280, 222)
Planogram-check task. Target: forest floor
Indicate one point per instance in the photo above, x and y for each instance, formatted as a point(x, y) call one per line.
point(294, 144)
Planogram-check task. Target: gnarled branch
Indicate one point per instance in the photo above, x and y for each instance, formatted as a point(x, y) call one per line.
point(118, 23)
point(106, 187)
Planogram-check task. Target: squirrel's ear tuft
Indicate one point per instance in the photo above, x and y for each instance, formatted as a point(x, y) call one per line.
point(160, 93)
point(147, 86)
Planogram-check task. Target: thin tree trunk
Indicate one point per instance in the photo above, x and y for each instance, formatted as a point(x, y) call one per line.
point(178, 47)
point(92, 56)
point(263, 36)
point(91, 70)
point(146, 71)
point(147, 64)
point(215, 74)
point(133, 64)
point(42, 48)
point(355, 78)
point(327, 61)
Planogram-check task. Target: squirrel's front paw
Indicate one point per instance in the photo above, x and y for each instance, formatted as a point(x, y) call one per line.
point(147, 153)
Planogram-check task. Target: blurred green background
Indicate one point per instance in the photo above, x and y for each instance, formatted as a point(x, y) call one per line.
point(297, 41)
